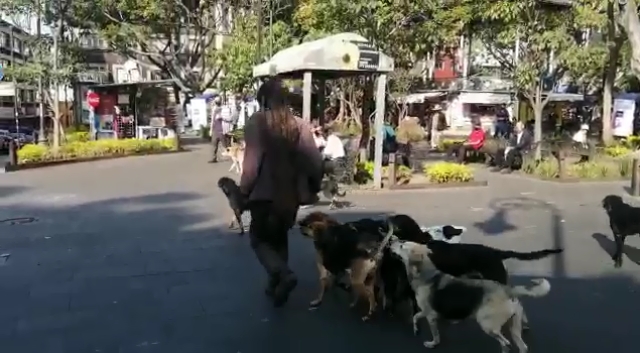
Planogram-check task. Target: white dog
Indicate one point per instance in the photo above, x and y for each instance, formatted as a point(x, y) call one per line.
point(236, 153)
point(440, 295)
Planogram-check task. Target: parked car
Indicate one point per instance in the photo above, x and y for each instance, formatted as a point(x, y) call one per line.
point(5, 138)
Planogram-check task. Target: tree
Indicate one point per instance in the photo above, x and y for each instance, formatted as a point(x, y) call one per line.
point(408, 31)
point(534, 44)
point(628, 20)
point(52, 64)
point(238, 56)
point(177, 36)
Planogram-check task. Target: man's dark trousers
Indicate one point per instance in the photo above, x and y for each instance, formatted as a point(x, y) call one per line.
point(216, 141)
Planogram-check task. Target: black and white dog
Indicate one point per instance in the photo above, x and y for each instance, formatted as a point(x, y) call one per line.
point(439, 295)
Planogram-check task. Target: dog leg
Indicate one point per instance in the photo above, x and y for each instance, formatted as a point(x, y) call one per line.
point(525, 320)
point(617, 257)
point(232, 223)
point(432, 319)
point(238, 217)
point(325, 282)
point(516, 328)
point(371, 299)
point(416, 318)
point(493, 328)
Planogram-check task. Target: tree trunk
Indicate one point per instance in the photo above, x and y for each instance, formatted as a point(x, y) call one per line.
point(628, 19)
point(537, 128)
point(614, 43)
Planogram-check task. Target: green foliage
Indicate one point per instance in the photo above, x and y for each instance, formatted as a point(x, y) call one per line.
point(91, 149)
point(601, 167)
point(364, 173)
point(79, 136)
point(239, 54)
point(446, 172)
point(445, 144)
point(409, 130)
point(617, 150)
point(403, 29)
point(155, 30)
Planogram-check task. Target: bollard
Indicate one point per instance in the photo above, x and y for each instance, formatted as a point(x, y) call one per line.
point(392, 170)
point(13, 153)
point(635, 177)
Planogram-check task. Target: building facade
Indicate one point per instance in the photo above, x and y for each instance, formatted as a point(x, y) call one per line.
point(14, 50)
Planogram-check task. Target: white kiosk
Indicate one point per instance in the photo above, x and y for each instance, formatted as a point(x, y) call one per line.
point(332, 57)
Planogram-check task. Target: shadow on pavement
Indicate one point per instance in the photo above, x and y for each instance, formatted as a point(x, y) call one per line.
point(6, 191)
point(502, 206)
point(609, 246)
point(151, 274)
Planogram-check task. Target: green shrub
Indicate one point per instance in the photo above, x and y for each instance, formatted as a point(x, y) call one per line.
point(204, 133)
point(617, 150)
point(91, 149)
point(409, 130)
point(446, 172)
point(78, 136)
point(632, 142)
point(364, 173)
point(599, 168)
point(445, 144)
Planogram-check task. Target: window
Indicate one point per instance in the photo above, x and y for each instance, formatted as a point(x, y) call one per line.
point(6, 40)
point(17, 45)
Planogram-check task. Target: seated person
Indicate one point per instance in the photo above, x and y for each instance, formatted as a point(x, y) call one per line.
point(519, 143)
point(318, 138)
point(475, 141)
point(333, 152)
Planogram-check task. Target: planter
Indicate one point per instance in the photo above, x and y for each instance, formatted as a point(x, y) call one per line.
point(417, 187)
point(13, 168)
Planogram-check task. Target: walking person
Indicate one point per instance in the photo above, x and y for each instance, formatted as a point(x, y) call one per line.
point(216, 131)
point(282, 170)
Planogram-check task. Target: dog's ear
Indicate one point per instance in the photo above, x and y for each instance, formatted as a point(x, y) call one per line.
point(451, 231)
point(316, 228)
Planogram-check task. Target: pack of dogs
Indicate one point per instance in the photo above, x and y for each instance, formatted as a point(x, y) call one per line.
point(395, 261)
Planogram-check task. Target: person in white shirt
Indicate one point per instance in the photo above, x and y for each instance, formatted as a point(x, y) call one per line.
point(333, 148)
point(319, 139)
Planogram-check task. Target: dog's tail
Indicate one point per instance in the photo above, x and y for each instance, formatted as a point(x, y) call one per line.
point(528, 256)
point(540, 288)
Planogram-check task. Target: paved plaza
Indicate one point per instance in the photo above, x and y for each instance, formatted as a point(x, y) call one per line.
point(132, 255)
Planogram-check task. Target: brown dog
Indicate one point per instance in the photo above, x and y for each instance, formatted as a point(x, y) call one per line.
point(342, 249)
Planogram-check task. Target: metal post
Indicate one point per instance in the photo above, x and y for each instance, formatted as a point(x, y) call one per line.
point(379, 122)
point(42, 139)
point(306, 96)
point(635, 178)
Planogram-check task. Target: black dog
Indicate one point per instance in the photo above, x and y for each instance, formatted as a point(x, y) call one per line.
point(464, 259)
point(237, 201)
point(624, 220)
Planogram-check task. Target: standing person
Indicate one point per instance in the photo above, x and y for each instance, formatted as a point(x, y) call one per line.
point(216, 131)
point(282, 170)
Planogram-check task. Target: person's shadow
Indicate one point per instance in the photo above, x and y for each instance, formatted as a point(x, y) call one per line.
point(609, 245)
point(497, 224)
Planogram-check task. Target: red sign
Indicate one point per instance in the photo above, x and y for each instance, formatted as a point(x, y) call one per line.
point(93, 99)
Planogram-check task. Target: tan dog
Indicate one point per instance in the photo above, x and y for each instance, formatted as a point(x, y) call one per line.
point(341, 249)
point(236, 153)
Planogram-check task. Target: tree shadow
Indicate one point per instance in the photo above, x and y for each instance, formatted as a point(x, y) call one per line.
point(497, 224)
point(10, 190)
point(162, 273)
point(609, 246)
